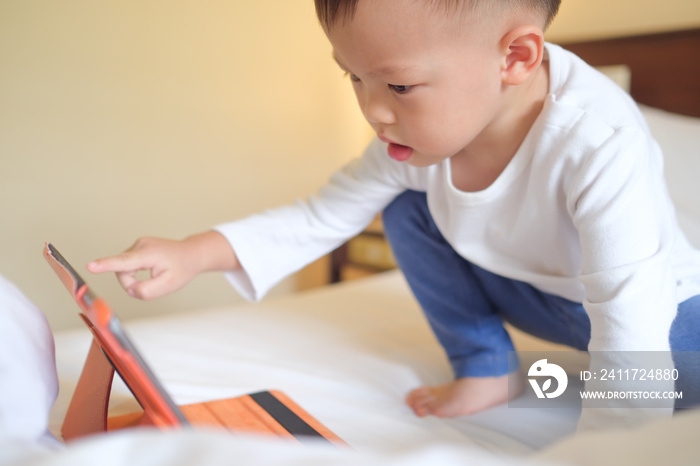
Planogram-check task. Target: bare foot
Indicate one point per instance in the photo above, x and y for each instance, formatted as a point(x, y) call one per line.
point(464, 396)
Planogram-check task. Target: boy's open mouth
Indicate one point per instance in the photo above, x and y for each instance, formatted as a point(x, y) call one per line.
point(398, 152)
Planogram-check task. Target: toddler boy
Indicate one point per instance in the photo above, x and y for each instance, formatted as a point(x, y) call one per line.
point(517, 184)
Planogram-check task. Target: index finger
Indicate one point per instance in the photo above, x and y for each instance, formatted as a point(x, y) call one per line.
point(129, 261)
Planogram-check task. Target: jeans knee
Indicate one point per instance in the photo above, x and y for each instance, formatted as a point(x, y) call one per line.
point(685, 330)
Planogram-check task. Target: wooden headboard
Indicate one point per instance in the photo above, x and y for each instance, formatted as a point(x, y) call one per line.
point(665, 67)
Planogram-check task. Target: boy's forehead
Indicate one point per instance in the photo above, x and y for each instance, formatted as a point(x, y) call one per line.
point(406, 21)
point(392, 30)
point(401, 10)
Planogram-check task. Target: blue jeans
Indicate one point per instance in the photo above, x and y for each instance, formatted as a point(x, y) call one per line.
point(466, 305)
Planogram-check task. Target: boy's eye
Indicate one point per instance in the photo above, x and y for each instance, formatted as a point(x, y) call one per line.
point(399, 89)
point(353, 77)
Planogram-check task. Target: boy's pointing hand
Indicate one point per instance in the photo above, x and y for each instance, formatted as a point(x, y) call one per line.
point(171, 264)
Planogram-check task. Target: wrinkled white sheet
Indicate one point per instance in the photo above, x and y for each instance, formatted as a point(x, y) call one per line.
point(347, 353)
point(208, 448)
point(668, 442)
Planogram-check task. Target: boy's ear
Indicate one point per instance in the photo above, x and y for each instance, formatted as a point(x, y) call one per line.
point(522, 50)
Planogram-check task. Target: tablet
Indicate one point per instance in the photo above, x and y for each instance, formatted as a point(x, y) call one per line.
point(116, 345)
point(267, 412)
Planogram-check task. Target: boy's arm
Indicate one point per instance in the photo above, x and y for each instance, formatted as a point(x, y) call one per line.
point(625, 225)
point(623, 217)
point(171, 263)
point(273, 244)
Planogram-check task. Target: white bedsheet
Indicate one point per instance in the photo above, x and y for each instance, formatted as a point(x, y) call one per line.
point(347, 353)
point(668, 442)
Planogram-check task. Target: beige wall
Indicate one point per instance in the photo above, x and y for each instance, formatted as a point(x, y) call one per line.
point(593, 19)
point(127, 118)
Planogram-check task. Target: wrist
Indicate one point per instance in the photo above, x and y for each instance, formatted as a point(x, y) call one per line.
point(210, 251)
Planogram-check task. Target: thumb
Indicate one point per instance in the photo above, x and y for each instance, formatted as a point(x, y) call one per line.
point(155, 287)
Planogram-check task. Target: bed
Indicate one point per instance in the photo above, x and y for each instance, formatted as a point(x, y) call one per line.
point(316, 346)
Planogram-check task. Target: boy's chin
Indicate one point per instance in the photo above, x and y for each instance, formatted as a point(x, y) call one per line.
point(419, 160)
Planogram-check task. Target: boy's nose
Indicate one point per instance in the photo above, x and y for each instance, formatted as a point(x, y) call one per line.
point(376, 110)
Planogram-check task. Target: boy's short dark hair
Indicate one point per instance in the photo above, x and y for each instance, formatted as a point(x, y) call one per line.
point(330, 11)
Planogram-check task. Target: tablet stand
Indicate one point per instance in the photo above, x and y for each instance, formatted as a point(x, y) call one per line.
point(87, 412)
point(268, 412)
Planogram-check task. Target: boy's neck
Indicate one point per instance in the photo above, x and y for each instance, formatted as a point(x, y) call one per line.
point(477, 166)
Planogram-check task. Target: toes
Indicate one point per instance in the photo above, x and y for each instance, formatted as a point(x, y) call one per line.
point(417, 394)
point(420, 401)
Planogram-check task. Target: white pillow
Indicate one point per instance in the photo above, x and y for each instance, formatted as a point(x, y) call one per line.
point(28, 380)
point(679, 138)
point(619, 74)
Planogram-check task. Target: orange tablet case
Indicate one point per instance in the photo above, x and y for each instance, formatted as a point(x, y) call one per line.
point(267, 412)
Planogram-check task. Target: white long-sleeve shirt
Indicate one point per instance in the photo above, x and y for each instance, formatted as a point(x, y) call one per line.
point(581, 211)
